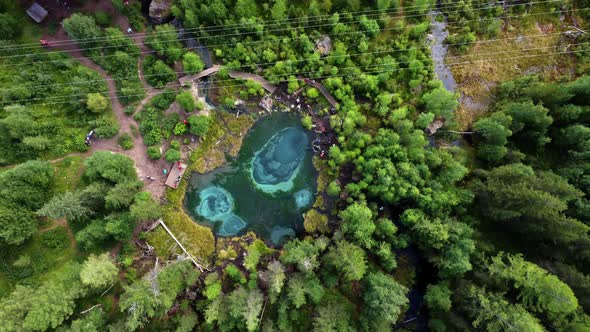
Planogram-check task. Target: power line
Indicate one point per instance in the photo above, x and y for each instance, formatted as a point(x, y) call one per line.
point(291, 74)
point(230, 35)
point(288, 20)
point(387, 52)
point(224, 44)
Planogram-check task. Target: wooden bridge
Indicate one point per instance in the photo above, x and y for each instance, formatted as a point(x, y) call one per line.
point(188, 79)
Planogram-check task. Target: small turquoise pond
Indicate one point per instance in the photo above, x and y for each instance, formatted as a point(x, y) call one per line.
point(266, 189)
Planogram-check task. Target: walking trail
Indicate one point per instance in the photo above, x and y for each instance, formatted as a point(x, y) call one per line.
point(144, 165)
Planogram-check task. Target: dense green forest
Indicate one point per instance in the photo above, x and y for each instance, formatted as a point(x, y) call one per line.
point(436, 208)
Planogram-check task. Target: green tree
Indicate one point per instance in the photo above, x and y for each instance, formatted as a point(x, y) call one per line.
point(192, 63)
point(94, 321)
point(96, 102)
point(27, 185)
point(278, 10)
point(98, 271)
point(245, 8)
point(39, 143)
point(139, 302)
point(383, 299)
point(494, 132)
point(54, 301)
point(493, 313)
point(109, 166)
point(348, 259)
point(164, 40)
point(186, 100)
point(358, 222)
point(302, 253)
point(82, 28)
point(529, 123)
point(440, 102)
point(16, 224)
point(276, 279)
point(122, 194)
point(145, 208)
point(199, 124)
point(69, 206)
point(534, 201)
point(9, 26)
point(538, 290)
point(438, 297)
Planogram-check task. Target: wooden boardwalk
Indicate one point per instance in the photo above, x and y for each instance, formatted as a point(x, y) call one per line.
point(321, 88)
point(175, 175)
point(188, 79)
point(257, 78)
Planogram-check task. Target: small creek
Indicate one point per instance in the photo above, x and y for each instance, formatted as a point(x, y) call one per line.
point(439, 50)
point(266, 189)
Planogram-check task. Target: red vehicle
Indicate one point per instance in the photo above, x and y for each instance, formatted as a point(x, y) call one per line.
point(44, 43)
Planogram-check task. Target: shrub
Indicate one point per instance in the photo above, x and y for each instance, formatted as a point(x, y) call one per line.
point(105, 127)
point(126, 142)
point(175, 145)
point(157, 72)
point(154, 152)
point(191, 63)
point(129, 110)
point(180, 129)
point(186, 100)
point(102, 18)
point(233, 273)
point(312, 93)
point(199, 124)
point(306, 122)
point(172, 155)
point(56, 238)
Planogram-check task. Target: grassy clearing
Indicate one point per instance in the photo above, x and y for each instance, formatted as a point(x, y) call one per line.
point(510, 57)
point(35, 261)
point(68, 173)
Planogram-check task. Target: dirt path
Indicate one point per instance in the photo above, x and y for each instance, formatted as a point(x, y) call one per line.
point(145, 166)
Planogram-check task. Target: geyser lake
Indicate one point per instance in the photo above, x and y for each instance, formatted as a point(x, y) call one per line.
point(266, 189)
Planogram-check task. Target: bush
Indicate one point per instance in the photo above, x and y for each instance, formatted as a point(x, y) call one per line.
point(199, 124)
point(233, 273)
point(154, 153)
point(56, 238)
point(191, 63)
point(186, 100)
point(102, 18)
point(129, 110)
point(307, 122)
point(175, 145)
point(157, 73)
point(180, 129)
point(172, 155)
point(126, 142)
point(105, 127)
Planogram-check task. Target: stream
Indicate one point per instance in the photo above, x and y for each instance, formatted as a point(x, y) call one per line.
point(439, 51)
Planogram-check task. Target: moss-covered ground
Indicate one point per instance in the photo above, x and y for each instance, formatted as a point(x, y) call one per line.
point(522, 47)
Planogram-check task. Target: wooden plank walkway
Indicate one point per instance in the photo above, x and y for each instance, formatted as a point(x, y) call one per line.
point(257, 78)
point(321, 88)
point(186, 80)
point(175, 174)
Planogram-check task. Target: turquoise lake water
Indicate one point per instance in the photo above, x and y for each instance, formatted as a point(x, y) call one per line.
point(266, 189)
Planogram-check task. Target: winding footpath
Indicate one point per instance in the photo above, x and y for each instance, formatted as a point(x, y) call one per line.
point(145, 166)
